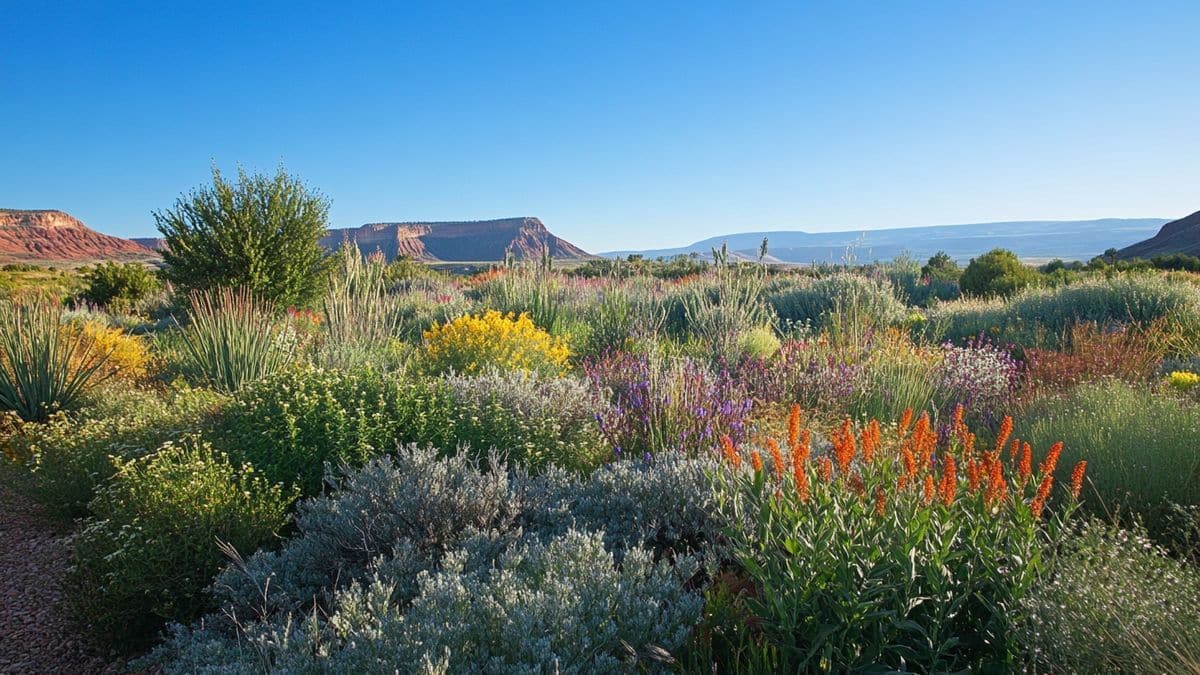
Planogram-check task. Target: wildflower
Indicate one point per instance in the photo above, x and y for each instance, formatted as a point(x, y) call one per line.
point(902, 482)
point(972, 475)
point(949, 482)
point(856, 484)
point(1077, 478)
point(927, 495)
point(1051, 462)
point(910, 462)
point(1043, 492)
point(880, 501)
point(802, 487)
point(1025, 467)
point(844, 447)
point(730, 451)
point(1006, 428)
point(756, 461)
point(825, 468)
point(905, 420)
point(870, 441)
point(776, 457)
point(794, 427)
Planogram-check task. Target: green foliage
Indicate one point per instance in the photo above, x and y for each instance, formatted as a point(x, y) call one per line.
point(43, 368)
point(121, 285)
point(155, 541)
point(360, 318)
point(758, 343)
point(292, 424)
point(66, 459)
point(995, 273)
point(232, 338)
point(718, 316)
point(813, 303)
point(1139, 442)
point(941, 266)
point(1115, 604)
point(261, 233)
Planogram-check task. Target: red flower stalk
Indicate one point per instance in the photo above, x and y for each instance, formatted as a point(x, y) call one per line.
point(905, 420)
point(731, 452)
point(927, 495)
point(825, 468)
point(972, 475)
point(756, 461)
point(1043, 493)
point(794, 428)
point(802, 487)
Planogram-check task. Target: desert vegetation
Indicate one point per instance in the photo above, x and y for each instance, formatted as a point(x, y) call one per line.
point(337, 464)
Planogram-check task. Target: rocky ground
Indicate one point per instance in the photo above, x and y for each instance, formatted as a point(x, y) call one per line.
point(35, 633)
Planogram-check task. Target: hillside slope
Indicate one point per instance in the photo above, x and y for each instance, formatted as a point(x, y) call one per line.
point(39, 236)
point(1038, 239)
point(481, 240)
point(1177, 236)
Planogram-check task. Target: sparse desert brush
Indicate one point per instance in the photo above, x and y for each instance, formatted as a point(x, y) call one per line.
point(474, 343)
point(1140, 443)
point(895, 548)
point(1091, 352)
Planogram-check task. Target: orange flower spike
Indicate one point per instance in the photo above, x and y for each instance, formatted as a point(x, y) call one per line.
point(825, 468)
point(1051, 461)
point(730, 451)
point(959, 412)
point(1006, 428)
point(856, 484)
point(1025, 466)
point(1014, 448)
point(1043, 493)
point(910, 462)
point(905, 420)
point(902, 482)
point(880, 502)
point(844, 446)
point(927, 495)
point(756, 461)
point(800, 452)
point(949, 483)
point(794, 427)
point(802, 487)
point(968, 444)
point(972, 475)
point(776, 457)
point(1077, 478)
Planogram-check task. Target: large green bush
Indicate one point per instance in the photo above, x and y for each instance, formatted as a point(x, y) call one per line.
point(995, 273)
point(261, 233)
point(813, 303)
point(154, 543)
point(64, 460)
point(1139, 442)
point(293, 424)
point(118, 285)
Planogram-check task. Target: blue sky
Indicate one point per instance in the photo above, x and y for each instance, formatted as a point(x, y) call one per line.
point(620, 124)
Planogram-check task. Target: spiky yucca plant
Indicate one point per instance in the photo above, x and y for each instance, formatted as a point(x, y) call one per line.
point(43, 368)
point(232, 339)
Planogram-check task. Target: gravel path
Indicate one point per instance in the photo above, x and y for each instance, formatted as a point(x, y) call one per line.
point(35, 634)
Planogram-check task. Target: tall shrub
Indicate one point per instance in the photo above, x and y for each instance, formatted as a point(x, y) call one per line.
point(261, 233)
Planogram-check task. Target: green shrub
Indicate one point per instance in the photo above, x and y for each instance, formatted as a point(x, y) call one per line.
point(232, 339)
point(43, 368)
point(814, 303)
point(261, 234)
point(995, 273)
point(64, 460)
point(294, 423)
point(718, 316)
point(535, 421)
point(121, 285)
point(1115, 604)
point(758, 343)
point(1139, 442)
point(155, 542)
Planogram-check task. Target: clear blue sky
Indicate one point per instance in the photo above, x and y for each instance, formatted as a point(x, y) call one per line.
point(620, 124)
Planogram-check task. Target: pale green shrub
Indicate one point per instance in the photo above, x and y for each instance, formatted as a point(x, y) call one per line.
point(813, 303)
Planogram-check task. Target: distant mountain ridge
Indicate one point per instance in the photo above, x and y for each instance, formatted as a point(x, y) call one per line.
point(1177, 236)
point(1033, 239)
point(459, 241)
point(47, 235)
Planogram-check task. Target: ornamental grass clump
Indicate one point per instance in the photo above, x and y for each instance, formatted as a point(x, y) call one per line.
point(473, 343)
point(44, 368)
point(894, 549)
point(232, 338)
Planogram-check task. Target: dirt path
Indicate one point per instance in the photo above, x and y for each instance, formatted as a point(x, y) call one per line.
point(35, 635)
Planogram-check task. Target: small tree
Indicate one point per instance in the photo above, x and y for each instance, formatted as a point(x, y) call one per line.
point(941, 267)
point(997, 272)
point(261, 233)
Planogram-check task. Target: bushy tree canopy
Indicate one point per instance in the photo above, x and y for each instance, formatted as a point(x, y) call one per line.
point(261, 233)
point(110, 282)
point(997, 272)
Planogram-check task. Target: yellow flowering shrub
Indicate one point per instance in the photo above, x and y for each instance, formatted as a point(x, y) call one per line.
point(128, 357)
point(473, 343)
point(1182, 379)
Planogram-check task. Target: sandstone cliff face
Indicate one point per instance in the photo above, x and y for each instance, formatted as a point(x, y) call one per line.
point(474, 241)
point(1177, 236)
point(53, 236)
